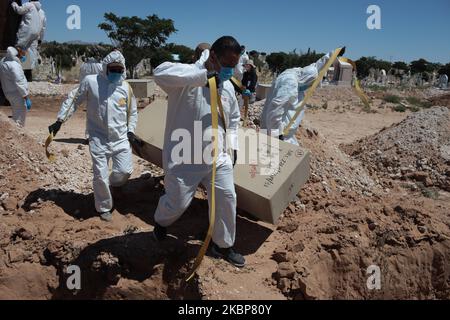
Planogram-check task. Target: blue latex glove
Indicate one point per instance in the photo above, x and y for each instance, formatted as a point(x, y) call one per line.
point(246, 93)
point(28, 103)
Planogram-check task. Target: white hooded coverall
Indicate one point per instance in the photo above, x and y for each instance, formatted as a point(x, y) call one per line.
point(189, 112)
point(30, 27)
point(14, 85)
point(287, 91)
point(107, 118)
point(90, 67)
point(34, 52)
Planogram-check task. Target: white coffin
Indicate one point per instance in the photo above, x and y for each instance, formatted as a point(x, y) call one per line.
point(262, 191)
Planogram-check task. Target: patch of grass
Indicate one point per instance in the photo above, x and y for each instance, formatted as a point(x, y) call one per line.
point(428, 192)
point(391, 98)
point(374, 87)
point(414, 101)
point(414, 109)
point(399, 108)
point(431, 193)
point(426, 104)
point(419, 103)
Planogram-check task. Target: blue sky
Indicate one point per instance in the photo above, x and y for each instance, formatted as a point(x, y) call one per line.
point(410, 29)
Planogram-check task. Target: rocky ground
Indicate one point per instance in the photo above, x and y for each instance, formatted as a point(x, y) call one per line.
point(372, 200)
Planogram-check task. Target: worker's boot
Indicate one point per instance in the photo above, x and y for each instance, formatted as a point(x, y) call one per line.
point(106, 216)
point(229, 255)
point(159, 233)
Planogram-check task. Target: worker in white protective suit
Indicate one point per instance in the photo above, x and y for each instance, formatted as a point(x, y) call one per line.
point(189, 113)
point(287, 91)
point(111, 119)
point(30, 27)
point(34, 49)
point(90, 67)
point(14, 84)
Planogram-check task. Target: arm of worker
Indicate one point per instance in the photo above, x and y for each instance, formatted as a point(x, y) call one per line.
point(70, 105)
point(44, 27)
point(323, 61)
point(67, 108)
point(176, 75)
point(133, 116)
point(22, 10)
point(286, 98)
point(309, 74)
point(234, 119)
point(20, 80)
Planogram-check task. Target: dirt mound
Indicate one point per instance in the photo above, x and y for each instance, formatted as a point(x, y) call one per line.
point(441, 100)
point(349, 219)
point(416, 149)
point(345, 220)
point(49, 224)
point(344, 224)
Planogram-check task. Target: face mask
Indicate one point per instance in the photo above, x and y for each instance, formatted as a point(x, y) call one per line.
point(115, 77)
point(226, 73)
point(23, 59)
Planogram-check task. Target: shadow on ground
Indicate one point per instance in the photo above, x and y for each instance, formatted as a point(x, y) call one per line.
point(137, 257)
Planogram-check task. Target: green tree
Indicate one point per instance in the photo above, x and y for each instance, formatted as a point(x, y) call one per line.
point(400, 65)
point(136, 37)
point(63, 55)
point(421, 66)
point(277, 61)
point(160, 55)
point(280, 61)
point(364, 64)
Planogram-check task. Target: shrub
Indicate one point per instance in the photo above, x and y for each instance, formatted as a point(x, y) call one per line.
point(414, 101)
point(399, 108)
point(392, 98)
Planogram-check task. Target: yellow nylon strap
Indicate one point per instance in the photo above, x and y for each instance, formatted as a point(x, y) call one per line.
point(50, 156)
point(311, 90)
point(364, 98)
point(212, 217)
point(239, 84)
point(222, 114)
